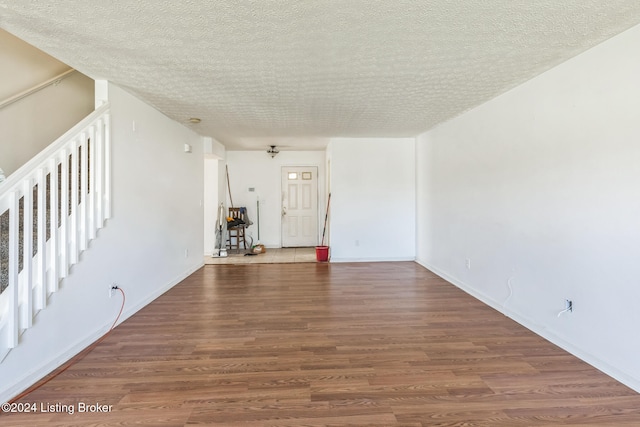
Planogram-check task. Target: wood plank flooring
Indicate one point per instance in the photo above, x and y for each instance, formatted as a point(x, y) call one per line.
point(385, 344)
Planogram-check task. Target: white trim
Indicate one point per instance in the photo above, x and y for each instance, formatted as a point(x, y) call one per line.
point(384, 259)
point(540, 330)
point(61, 358)
point(42, 158)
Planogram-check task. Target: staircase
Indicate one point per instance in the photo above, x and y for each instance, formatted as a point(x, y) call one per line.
point(49, 211)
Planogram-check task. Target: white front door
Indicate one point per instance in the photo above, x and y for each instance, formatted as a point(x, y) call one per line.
point(299, 206)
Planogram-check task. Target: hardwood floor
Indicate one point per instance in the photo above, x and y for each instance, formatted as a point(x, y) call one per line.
point(386, 344)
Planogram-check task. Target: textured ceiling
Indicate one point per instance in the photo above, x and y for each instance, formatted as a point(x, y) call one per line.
point(298, 72)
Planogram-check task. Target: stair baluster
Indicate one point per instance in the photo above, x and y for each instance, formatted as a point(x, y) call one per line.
point(49, 211)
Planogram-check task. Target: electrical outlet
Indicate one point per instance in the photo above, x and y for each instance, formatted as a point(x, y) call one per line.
point(186, 253)
point(467, 263)
point(112, 290)
point(568, 305)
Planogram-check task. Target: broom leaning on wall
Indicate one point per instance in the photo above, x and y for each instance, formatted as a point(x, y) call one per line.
point(322, 251)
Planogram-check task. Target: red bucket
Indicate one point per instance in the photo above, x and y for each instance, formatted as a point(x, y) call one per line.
point(322, 253)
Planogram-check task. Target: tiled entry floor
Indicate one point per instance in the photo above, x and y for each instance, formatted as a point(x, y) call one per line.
point(271, 256)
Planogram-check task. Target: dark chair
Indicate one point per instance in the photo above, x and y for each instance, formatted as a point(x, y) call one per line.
point(235, 235)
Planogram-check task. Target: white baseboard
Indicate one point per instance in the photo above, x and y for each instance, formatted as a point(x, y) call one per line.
point(375, 259)
point(64, 356)
point(540, 330)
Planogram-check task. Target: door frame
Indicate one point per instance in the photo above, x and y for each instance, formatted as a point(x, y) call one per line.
point(317, 198)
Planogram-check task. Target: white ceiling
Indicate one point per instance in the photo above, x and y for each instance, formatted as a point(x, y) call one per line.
point(298, 72)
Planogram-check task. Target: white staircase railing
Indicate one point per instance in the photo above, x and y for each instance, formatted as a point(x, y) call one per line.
point(55, 204)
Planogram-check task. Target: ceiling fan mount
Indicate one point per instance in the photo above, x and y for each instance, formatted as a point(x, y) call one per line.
point(272, 151)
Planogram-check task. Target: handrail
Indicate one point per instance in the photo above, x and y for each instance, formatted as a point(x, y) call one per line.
point(12, 180)
point(54, 80)
point(72, 176)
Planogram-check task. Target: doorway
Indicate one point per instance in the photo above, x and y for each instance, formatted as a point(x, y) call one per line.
point(299, 206)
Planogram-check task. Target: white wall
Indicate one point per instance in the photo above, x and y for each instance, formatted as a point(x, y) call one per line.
point(29, 125)
point(258, 170)
point(372, 199)
point(539, 189)
point(213, 148)
point(34, 122)
point(214, 155)
point(211, 203)
point(157, 216)
point(23, 65)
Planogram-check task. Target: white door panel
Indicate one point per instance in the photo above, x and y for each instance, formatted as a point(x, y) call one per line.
point(299, 206)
